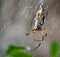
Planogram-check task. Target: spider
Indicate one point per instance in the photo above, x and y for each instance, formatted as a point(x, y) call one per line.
point(38, 23)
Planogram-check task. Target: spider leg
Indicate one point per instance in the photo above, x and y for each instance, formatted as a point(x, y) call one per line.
point(36, 47)
point(33, 31)
point(36, 40)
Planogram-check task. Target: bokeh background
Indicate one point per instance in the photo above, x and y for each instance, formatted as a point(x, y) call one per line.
point(15, 20)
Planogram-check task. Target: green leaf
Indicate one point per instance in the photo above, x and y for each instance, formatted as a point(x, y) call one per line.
point(54, 49)
point(17, 51)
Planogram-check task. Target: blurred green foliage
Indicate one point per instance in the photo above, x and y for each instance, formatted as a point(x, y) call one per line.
point(16, 51)
point(54, 49)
